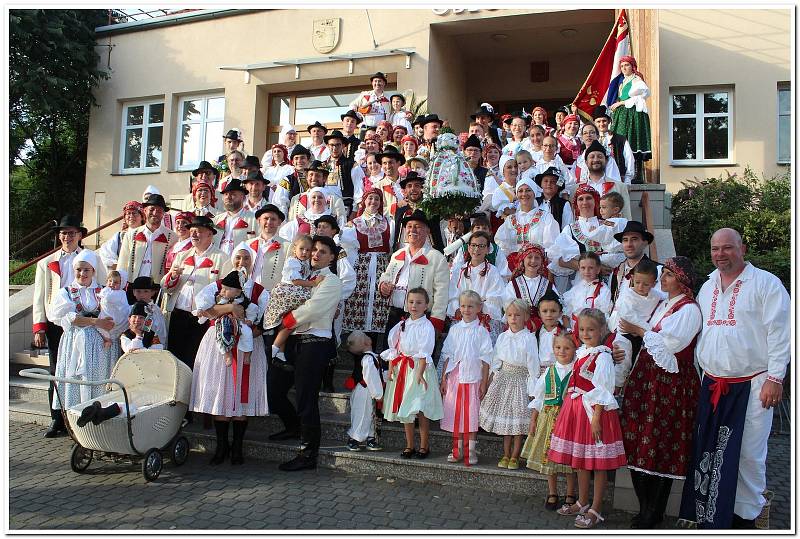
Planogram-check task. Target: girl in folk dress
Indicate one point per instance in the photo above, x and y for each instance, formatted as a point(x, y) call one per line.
point(367, 310)
point(587, 434)
point(589, 292)
point(293, 290)
point(529, 279)
point(466, 355)
point(548, 397)
point(484, 278)
point(515, 367)
point(412, 389)
point(550, 311)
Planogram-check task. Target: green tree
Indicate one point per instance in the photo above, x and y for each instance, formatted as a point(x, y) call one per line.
point(53, 68)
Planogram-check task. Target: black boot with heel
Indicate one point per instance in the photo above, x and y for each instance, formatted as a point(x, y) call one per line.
point(222, 442)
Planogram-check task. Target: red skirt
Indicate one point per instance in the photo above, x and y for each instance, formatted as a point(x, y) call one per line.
point(573, 445)
point(658, 415)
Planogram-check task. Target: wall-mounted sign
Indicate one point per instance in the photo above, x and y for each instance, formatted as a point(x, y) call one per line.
point(325, 35)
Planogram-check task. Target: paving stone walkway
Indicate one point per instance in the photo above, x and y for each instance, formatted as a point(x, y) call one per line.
point(46, 494)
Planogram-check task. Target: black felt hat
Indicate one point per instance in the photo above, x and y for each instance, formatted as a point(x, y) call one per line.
point(350, 114)
point(334, 135)
point(392, 152)
point(550, 171)
point(254, 176)
point(270, 208)
point(235, 185)
point(634, 226)
point(232, 280)
point(203, 221)
point(330, 219)
point(138, 309)
point(233, 134)
point(472, 142)
point(299, 149)
point(483, 110)
point(550, 295)
point(251, 161)
point(418, 120)
point(208, 167)
point(318, 166)
point(152, 199)
point(600, 111)
point(430, 118)
point(411, 176)
point(417, 215)
point(71, 221)
point(401, 96)
point(145, 283)
point(378, 75)
point(595, 146)
point(317, 124)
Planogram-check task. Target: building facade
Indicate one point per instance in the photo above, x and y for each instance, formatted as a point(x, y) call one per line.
point(720, 82)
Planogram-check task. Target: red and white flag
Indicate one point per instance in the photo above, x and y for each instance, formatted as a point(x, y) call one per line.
point(602, 84)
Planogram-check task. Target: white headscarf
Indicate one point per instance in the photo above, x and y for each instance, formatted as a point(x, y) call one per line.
point(310, 215)
point(243, 246)
point(88, 256)
point(503, 160)
point(286, 129)
point(525, 181)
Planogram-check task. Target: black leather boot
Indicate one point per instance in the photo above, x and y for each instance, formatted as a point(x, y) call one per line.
point(112, 410)
point(663, 487)
point(639, 487)
point(306, 458)
point(239, 428)
point(222, 442)
point(647, 520)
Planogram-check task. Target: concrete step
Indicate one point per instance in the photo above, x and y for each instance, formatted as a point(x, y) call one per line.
point(26, 359)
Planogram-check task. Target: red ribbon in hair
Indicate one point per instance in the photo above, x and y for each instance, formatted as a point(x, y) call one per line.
point(516, 261)
point(198, 185)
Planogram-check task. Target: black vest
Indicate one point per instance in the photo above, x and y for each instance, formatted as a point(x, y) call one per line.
point(480, 175)
point(346, 166)
point(556, 208)
point(147, 337)
point(358, 373)
point(353, 142)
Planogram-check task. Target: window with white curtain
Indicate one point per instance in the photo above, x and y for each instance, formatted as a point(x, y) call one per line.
point(200, 130)
point(701, 126)
point(142, 134)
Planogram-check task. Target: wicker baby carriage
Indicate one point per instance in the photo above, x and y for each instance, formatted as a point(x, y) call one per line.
point(152, 388)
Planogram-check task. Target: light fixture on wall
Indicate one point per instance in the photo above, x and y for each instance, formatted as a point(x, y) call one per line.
point(499, 37)
point(568, 33)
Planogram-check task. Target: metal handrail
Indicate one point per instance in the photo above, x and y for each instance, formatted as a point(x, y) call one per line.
point(48, 253)
point(49, 223)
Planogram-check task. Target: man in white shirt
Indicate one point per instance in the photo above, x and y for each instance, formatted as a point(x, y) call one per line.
point(235, 224)
point(596, 160)
point(143, 252)
point(616, 145)
point(743, 350)
point(311, 323)
point(256, 185)
point(319, 150)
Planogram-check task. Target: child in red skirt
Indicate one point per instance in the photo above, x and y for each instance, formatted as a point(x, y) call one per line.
point(587, 435)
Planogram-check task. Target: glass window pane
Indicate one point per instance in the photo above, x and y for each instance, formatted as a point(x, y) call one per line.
point(279, 111)
point(135, 115)
point(716, 102)
point(684, 138)
point(305, 140)
point(153, 157)
point(156, 115)
point(784, 101)
point(133, 148)
point(684, 104)
point(784, 138)
point(324, 108)
point(216, 108)
point(213, 145)
point(192, 110)
point(190, 145)
point(716, 138)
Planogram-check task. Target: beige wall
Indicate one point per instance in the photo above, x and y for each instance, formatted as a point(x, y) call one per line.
point(748, 49)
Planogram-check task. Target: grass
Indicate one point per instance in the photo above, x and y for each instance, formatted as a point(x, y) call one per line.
point(26, 276)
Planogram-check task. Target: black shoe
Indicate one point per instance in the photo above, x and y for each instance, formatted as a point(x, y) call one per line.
point(88, 414)
point(354, 445)
point(285, 434)
point(740, 523)
point(239, 428)
point(55, 430)
point(300, 462)
point(373, 445)
point(110, 411)
point(422, 453)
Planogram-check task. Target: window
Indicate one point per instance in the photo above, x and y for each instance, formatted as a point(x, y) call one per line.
point(784, 123)
point(142, 131)
point(303, 109)
point(701, 126)
point(200, 130)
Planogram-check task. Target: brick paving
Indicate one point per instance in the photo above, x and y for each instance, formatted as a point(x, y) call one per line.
point(45, 494)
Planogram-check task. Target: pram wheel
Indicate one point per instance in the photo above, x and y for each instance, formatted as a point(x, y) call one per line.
point(152, 464)
point(80, 459)
point(180, 451)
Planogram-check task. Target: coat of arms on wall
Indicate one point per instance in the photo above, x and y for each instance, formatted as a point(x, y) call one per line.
point(325, 35)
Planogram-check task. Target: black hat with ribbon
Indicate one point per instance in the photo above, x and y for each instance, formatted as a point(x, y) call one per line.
point(71, 221)
point(203, 221)
point(637, 227)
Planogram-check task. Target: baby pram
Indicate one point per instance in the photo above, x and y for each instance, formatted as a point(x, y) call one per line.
point(152, 388)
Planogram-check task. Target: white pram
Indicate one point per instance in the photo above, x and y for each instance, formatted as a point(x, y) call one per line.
point(153, 394)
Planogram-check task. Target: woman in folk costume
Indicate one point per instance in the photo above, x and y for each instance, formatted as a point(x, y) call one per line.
point(530, 280)
point(529, 224)
point(629, 116)
point(533, 143)
point(288, 138)
point(661, 395)
point(586, 233)
point(520, 123)
point(132, 218)
point(280, 167)
point(539, 116)
point(569, 142)
point(304, 224)
point(412, 390)
point(408, 147)
point(466, 356)
point(184, 243)
point(204, 200)
point(81, 353)
point(477, 274)
point(491, 159)
point(504, 196)
point(367, 310)
point(514, 369)
point(372, 144)
point(587, 435)
point(230, 393)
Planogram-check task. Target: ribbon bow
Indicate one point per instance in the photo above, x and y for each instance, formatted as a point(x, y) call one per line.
point(421, 260)
point(405, 362)
point(274, 246)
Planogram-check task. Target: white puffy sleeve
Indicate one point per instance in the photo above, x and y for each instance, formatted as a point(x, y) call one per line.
point(346, 273)
point(501, 262)
point(129, 344)
point(423, 340)
point(251, 313)
point(453, 291)
point(677, 332)
point(564, 247)
point(115, 305)
point(494, 294)
point(108, 251)
point(603, 382)
point(485, 346)
point(506, 238)
point(371, 376)
point(206, 298)
point(532, 362)
point(288, 230)
point(500, 349)
point(637, 95)
point(500, 201)
point(448, 350)
point(538, 393)
point(549, 229)
point(603, 301)
point(62, 309)
point(392, 342)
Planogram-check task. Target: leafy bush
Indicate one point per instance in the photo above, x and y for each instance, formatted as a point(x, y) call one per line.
point(759, 208)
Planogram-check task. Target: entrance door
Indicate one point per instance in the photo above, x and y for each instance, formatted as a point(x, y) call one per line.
point(550, 105)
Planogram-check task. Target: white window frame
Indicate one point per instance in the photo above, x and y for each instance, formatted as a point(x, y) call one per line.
point(203, 121)
point(699, 117)
point(783, 87)
point(144, 127)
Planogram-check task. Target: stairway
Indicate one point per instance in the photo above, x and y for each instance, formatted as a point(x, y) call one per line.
point(28, 403)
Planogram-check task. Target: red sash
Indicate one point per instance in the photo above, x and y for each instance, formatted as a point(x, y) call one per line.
point(404, 362)
point(462, 414)
point(721, 386)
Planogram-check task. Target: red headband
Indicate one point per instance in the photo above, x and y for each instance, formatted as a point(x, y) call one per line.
point(363, 204)
point(409, 138)
point(631, 60)
point(283, 149)
point(683, 278)
point(185, 215)
point(196, 187)
point(584, 189)
point(516, 261)
point(570, 118)
point(133, 205)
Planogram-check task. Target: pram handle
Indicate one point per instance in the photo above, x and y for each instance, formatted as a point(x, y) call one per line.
point(44, 374)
